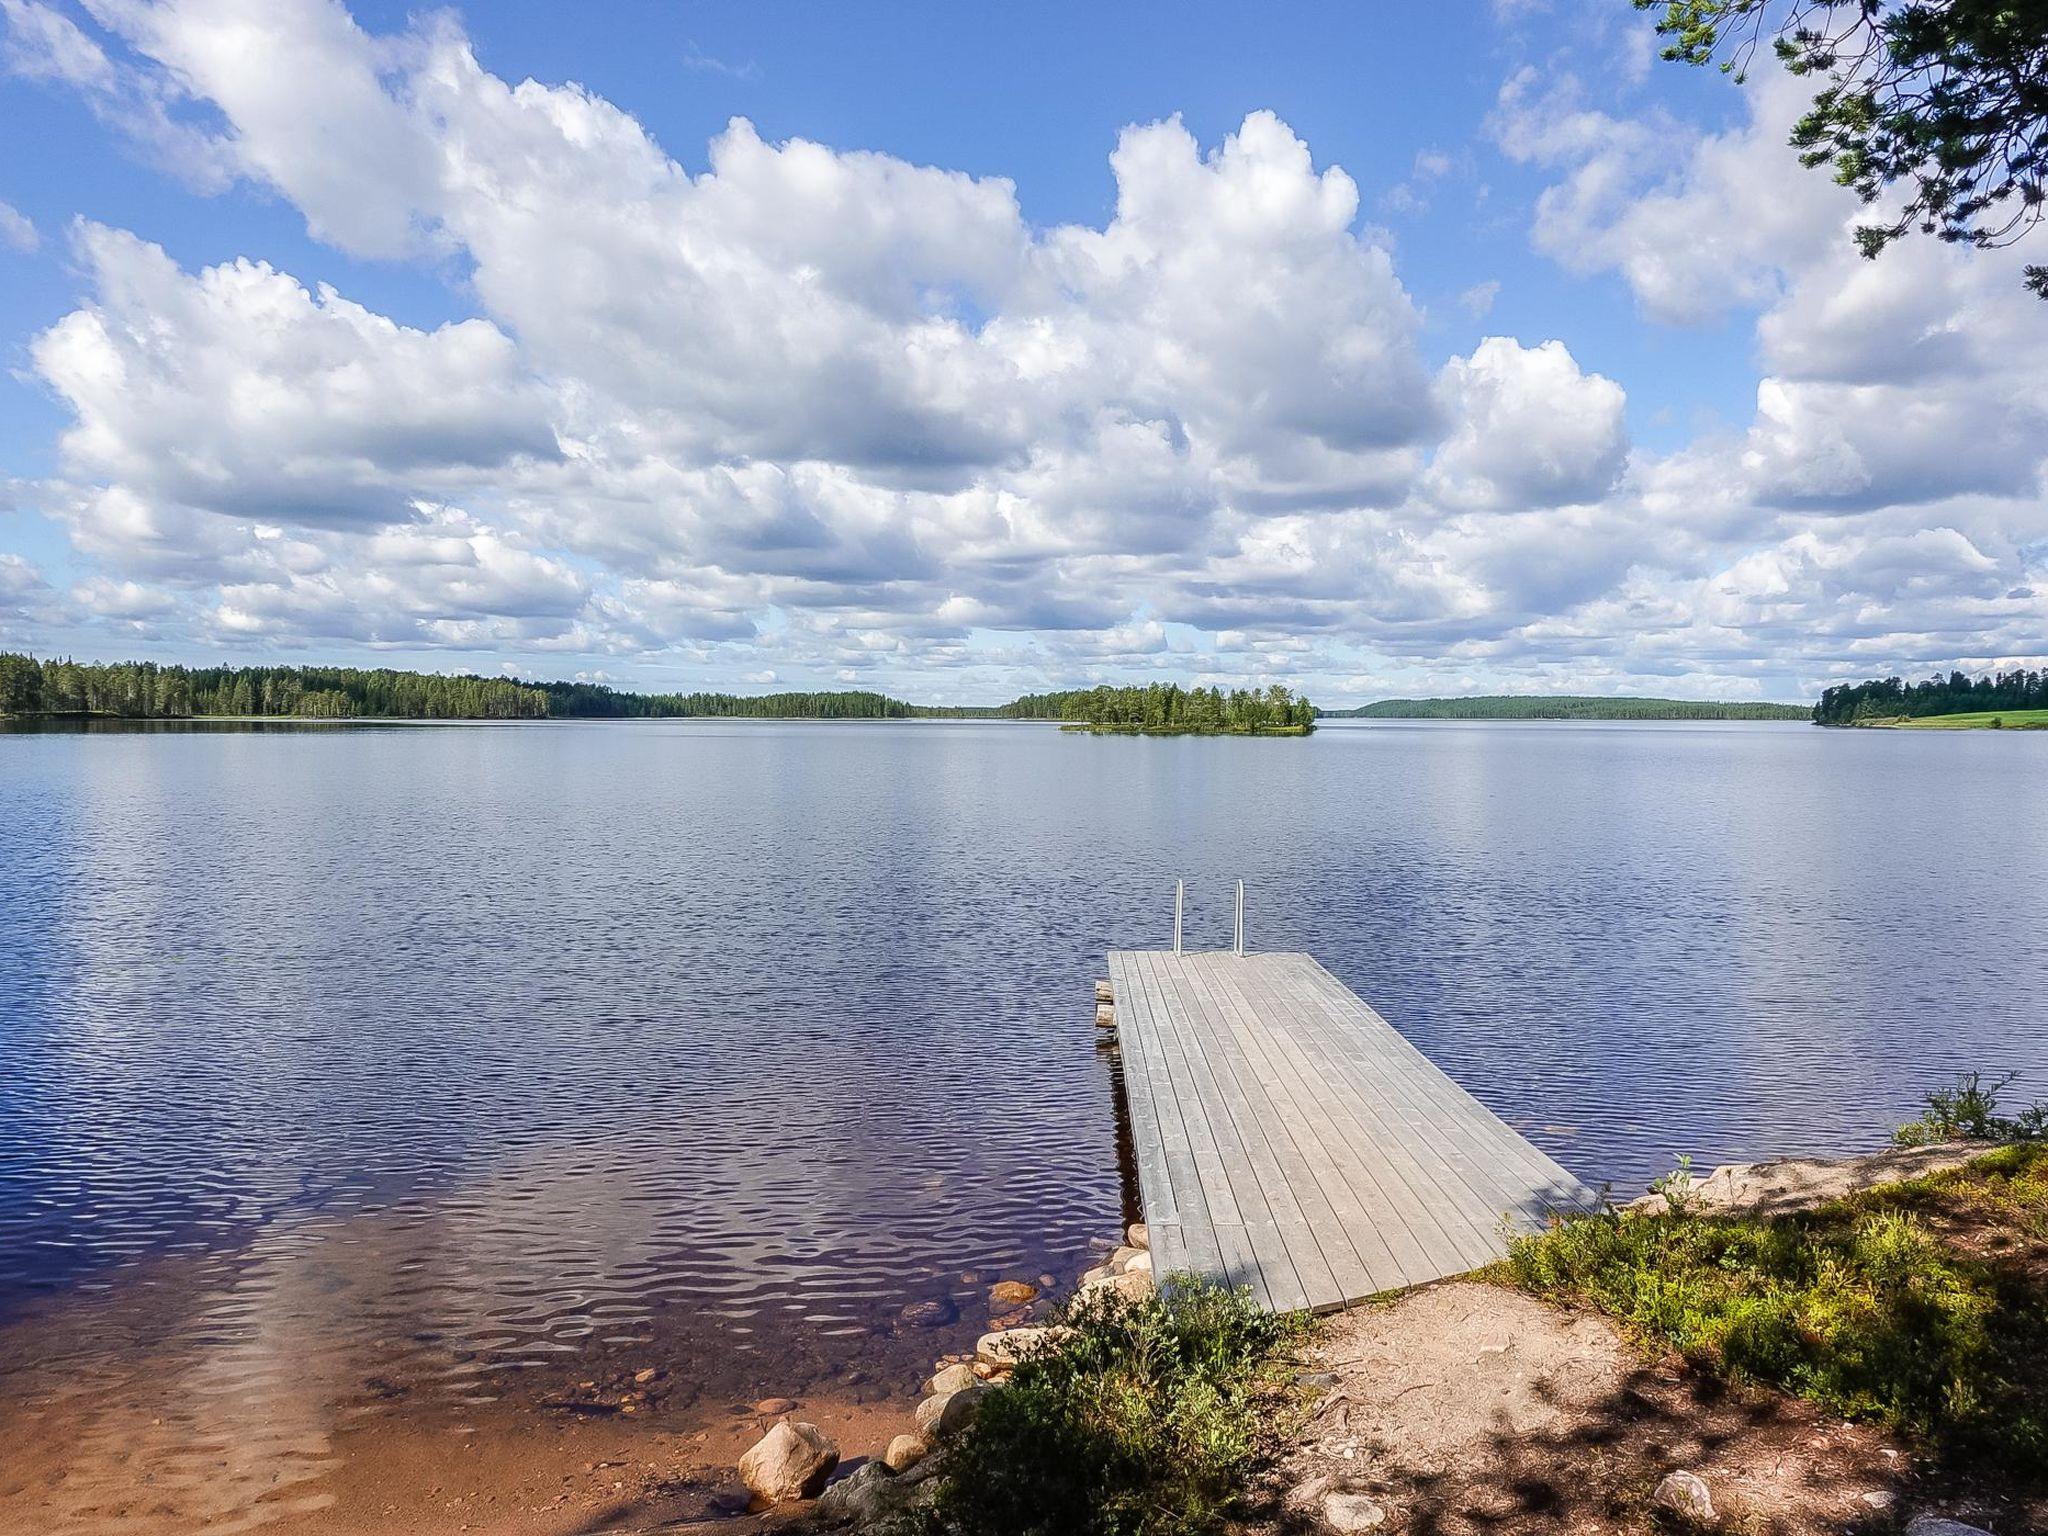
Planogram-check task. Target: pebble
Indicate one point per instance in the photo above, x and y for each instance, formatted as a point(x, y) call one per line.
point(1685, 1494)
point(1352, 1513)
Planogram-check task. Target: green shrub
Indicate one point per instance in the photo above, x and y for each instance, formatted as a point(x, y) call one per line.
point(1149, 1419)
point(1860, 1306)
point(1969, 1112)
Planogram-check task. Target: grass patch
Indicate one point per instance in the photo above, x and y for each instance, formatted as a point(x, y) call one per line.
point(1150, 1419)
point(1981, 720)
point(1922, 1306)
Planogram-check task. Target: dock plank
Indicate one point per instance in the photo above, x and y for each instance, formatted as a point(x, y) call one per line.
point(1291, 1140)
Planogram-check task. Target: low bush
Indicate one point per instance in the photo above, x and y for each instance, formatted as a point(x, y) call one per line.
point(1148, 1419)
point(1874, 1306)
point(1969, 1112)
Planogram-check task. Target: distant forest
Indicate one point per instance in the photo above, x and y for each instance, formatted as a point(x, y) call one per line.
point(1893, 698)
point(143, 690)
point(1566, 707)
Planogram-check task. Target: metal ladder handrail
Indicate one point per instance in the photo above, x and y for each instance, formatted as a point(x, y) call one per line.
point(1180, 895)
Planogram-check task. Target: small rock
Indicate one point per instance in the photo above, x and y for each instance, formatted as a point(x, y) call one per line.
point(929, 1410)
point(641, 1378)
point(1047, 1282)
point(768, 1407)
point(1322, 1381)
point(905, 1451)
point(1686, 1495)
point(960, 1408)
point(791, 1461)
point(951, 1379)
point(865, 1495)
point(1005, 1294)
point(1880, 1498)
point(936, 1313)
point(1352, 1512)
point(1935, 1525)
point(1131, 1287)
point(1003, 1350)
point(1137, 1235)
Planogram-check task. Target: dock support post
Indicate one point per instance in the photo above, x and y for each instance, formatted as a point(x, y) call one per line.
point(1237, 943)
point(1180, 889)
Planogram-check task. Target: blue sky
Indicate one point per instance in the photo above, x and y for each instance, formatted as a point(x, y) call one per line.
point(1604, 499)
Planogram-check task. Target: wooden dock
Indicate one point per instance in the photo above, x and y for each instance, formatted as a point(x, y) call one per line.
point(1289, 1139)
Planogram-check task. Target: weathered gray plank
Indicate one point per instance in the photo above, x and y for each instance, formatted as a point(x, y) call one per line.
point(1290, 1139)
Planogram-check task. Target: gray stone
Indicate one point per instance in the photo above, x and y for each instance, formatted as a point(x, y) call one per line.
point(866, 1495)
point(1352, 1512)
point(1686, 1495)
point(791, 1461)
point(1935, 1525)
point(960, 1408)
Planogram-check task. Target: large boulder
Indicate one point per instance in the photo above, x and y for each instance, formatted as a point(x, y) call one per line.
point(1131, 1285)
point(951, 1378)
point(1935, 1525)
point(791, 1461)
point(929, 1410)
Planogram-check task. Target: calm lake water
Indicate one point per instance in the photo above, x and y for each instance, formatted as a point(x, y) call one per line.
point(448, 1054)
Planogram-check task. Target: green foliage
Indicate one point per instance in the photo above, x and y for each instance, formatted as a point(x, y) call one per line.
point(1968, 1111)
point(146, 691)
point(1565, 706)
point(1859, 1306)
point(1167, 709)
point(1149, 1420)
point(1891, 698)
point(1948, 98)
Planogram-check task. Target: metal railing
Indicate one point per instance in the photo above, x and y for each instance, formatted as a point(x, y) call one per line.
point(1180, 898)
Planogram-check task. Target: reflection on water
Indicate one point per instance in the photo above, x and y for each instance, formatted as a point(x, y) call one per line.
point(359, 1072)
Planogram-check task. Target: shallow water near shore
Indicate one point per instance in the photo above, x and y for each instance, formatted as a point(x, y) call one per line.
point(359, 1077)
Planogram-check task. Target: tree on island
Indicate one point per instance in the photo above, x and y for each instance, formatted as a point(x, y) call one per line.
point(1946, 97)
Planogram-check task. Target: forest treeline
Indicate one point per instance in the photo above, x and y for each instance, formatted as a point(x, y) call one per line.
point(1168, 708)
point(1892, 698)
point(143, 690)
point(1566, 706)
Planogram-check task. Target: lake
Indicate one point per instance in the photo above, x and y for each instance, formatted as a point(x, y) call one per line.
point(364, 1074)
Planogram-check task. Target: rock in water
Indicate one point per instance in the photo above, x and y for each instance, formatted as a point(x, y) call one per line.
point(1005, 1294)
point(791, 1461)
point(1684, 1494)
point(905, 1451)
point(1352, 1513)
point(938, 1313)
point(864, 1496)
